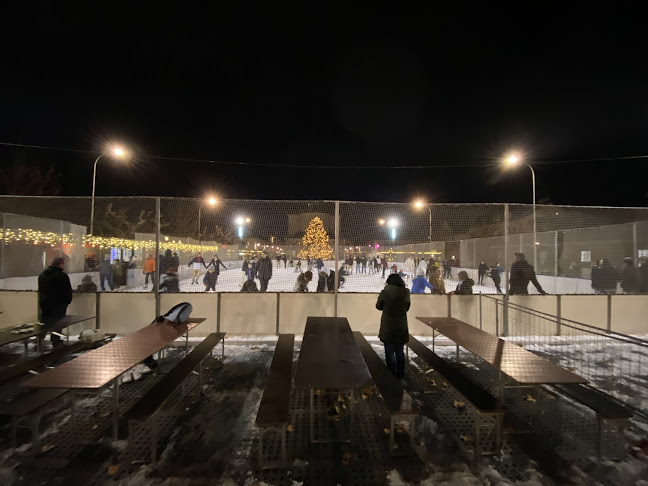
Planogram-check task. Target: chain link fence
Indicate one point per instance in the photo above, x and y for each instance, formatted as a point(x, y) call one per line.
point(198, 245)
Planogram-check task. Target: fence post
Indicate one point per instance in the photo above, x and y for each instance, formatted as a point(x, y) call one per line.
point(480, 311)
point(558, 315)
point(156, 282)
point(506, 270)
point(497, 318)
point(97, 310)
point(635, 252)
point(555, 259)
point(449, 305)
point(218, 312)
point(277, 323)
point(609, 312)
point(337, 257)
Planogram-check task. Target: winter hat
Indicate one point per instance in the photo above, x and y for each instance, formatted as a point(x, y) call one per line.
point(395, 279)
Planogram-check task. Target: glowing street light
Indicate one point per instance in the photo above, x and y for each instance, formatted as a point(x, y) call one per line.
point(381, 222)
point(212, 201)
point(114, 152)
point(393, 223)
point(512, 160)
point(241, 222)
point(421, 204)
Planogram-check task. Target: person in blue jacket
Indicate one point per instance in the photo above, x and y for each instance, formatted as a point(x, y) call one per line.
point(420, 282)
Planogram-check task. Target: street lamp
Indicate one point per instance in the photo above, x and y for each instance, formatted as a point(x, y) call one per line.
point(115, 152)
point(212, 201)
point(392, 223)
point(418, 205)
point(512, 160)
point(241, 221)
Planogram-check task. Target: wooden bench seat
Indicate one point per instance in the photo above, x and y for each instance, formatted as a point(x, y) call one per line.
point(485, 404)
point(274, 409)
point(30, 407)
point(24, 366)
point(605, 407)
point(143, 411)
point(395, 397)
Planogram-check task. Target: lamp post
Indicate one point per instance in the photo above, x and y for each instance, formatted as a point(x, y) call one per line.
point(241, 222)
point(212, 202)
point(512, 160)
point(117, 152)
point(419, 205)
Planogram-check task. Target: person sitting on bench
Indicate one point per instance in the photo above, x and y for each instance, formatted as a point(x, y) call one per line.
point(394, 301)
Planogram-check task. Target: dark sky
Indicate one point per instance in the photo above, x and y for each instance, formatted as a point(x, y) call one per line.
point(374, 86)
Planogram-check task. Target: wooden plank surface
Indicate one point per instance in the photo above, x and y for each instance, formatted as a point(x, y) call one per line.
point(274, 407)
point(97, 368)
point(513, 360)
point(329, 356)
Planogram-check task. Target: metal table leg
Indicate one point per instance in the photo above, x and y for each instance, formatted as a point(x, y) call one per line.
point(115, 417)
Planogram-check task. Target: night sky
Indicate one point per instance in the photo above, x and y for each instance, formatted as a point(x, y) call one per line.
point(373, 87)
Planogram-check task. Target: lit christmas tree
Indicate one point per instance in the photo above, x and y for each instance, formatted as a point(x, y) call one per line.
point(315, 242)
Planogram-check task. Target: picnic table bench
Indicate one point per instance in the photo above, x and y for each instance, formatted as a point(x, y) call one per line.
point(607, 410)
point(104, 366)
point(24, 332)
point(399, 402)
point(147, 409)
point(274, 411)
point(489, 411)
point(524, 367)
point(330, 361)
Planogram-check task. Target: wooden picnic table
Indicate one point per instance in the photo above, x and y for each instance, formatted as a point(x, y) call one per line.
point(514, 361)
point(29, 330)
point(98, 368)
point(330, 360)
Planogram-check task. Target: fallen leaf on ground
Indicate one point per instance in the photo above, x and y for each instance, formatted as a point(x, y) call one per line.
point(466, 438)
point(458, 404)
point(95, 427)
point(289, 428)
point(254, 347)
point(529, 398)
point(47, 447)
point(112, 470)
point(386, 429)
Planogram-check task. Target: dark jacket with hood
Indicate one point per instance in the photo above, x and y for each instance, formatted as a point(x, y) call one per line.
point(522, 273)
point(216, 263)
point(165, 261)
point(465, 287)
point(264, 268)
point(394, 301)
point(54, 294)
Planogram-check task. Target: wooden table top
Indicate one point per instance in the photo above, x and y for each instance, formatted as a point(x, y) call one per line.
point(8, 334)
point(513, 360)
point(99, 367)
point(329, 357)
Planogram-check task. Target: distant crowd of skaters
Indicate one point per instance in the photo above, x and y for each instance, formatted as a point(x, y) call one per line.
point(421, 274)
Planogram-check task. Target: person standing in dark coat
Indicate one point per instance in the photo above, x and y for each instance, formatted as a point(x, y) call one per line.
point(394, 301)
point(482, 270)
point(643, 276)
point(607, 277)
point(264, 271)
point(210, 279)
point(54, 295)
point(629, 277)
point(174, 262)
point(106, 274)
point(522, 273)
point(465, 285)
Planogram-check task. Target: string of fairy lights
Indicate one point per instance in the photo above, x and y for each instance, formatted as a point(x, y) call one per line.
point(49, 238)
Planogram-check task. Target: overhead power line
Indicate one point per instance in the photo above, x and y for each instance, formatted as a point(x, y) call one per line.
point(489, 163)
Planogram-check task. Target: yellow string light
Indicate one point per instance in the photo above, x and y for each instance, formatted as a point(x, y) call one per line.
point(53, 239)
